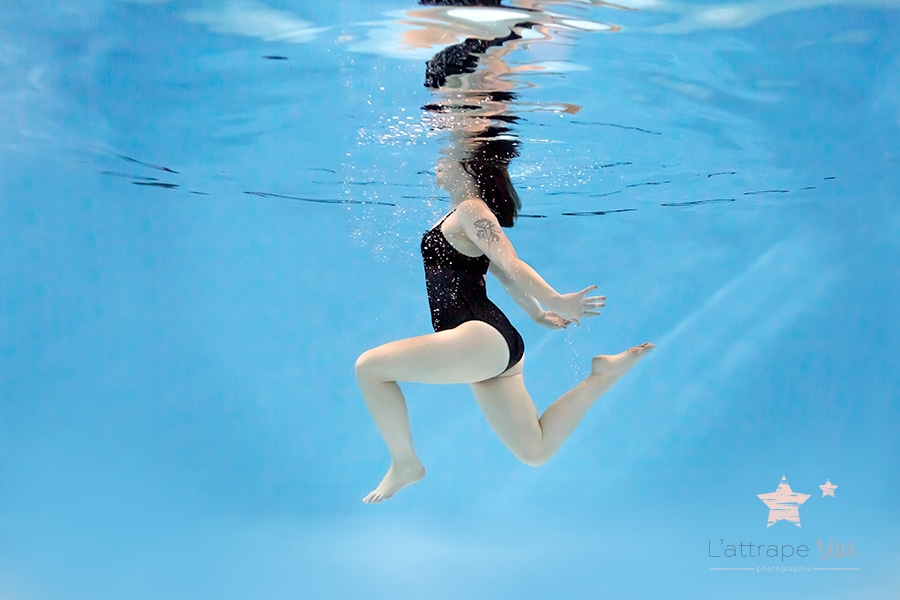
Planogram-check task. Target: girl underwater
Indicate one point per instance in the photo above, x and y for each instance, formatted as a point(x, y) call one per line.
point(474, 342)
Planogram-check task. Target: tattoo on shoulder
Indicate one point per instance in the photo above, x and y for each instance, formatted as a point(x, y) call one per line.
point(484, 230)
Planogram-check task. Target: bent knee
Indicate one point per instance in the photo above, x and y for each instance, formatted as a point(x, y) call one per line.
point(533, 456)
point(364, 365)
point(367, 366)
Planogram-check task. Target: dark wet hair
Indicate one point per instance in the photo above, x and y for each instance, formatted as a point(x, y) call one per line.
point(459, 59)
point(465, 56)
point(489, 166)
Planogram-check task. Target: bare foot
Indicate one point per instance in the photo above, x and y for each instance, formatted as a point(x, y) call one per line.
point(397, 478)
point(613, 367)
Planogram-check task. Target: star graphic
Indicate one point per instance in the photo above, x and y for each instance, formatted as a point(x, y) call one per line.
point(784, 504)
point(828, 489)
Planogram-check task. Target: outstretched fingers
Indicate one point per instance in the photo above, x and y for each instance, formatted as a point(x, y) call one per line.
point(577, 305)
point(591, 305)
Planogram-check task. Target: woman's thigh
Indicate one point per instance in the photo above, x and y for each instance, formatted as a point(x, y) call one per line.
point(472, 352)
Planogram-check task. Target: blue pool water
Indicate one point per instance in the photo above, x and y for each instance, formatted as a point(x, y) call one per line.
point(210, 209)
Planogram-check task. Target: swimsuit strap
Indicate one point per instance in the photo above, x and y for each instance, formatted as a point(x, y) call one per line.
point(441, 222)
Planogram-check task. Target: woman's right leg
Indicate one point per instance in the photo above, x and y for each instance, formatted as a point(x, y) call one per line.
point(511, 413)
point(474, 351)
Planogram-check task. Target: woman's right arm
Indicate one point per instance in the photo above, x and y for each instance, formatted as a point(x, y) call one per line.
point(483, 230)
point(527, 302)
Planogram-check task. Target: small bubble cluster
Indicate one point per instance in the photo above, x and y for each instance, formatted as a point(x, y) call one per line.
point(395, 130)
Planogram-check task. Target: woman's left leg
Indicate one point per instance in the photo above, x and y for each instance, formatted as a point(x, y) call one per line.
point(511, 413)
point(474, 351)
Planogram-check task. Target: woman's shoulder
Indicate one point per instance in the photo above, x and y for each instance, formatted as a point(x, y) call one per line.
point(474, 209)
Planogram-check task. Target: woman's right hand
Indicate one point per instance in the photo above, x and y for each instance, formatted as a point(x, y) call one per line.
point(577, 305)
point(552, 320)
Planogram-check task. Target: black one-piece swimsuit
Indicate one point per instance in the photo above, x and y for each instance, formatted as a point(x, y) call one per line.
point(457, 293)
